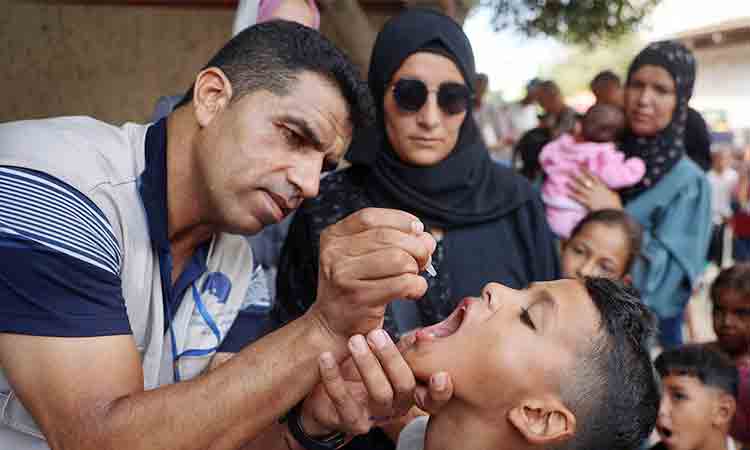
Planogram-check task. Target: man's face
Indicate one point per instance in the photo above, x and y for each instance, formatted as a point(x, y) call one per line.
point(721, 161)
point(685, 412)
point(731, 316)
point(263, 154)
point(508, 345)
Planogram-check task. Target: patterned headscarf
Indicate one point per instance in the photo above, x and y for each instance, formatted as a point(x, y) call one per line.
point(662, 151)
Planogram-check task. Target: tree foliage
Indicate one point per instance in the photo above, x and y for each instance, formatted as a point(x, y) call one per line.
point(586, 22)
point(574, 73)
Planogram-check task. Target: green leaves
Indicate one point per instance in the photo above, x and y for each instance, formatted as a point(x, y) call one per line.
point(586, 22)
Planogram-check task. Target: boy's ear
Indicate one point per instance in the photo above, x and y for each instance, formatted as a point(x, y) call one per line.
point(724, 409)
point(543, 422)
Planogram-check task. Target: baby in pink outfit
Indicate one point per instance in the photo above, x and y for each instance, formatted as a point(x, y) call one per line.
point(595, 150)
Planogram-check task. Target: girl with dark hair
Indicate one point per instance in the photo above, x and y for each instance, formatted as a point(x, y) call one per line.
point(730, 295)
point(605, 243)
point(672, 201)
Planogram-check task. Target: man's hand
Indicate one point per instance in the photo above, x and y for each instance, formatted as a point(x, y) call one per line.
point(367, 260)
point(374, 387)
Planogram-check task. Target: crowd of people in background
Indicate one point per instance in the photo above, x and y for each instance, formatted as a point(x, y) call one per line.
point(552, 254)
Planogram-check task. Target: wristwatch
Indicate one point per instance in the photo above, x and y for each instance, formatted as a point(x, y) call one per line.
point(331, 441)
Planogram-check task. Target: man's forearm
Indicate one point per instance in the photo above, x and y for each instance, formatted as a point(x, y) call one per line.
point(233, 404)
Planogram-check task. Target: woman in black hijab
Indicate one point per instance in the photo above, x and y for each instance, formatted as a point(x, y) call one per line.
point(672, 201)
point(426, 156)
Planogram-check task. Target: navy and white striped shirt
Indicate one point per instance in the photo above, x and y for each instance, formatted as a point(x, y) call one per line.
point(61, 261)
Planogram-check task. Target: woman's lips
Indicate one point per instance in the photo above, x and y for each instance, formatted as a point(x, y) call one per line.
point(421, 140)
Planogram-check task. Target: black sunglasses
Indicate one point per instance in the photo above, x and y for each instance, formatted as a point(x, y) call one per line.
point(411, 95)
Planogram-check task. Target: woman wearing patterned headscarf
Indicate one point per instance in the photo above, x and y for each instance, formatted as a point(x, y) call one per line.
point(672, 201)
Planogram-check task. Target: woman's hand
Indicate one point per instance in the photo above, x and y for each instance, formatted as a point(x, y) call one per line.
point(592, 193)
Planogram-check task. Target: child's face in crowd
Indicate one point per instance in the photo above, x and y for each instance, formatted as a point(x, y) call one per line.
point(506, 353)
point(692, 414)
point(732, 321)
point(597, 250)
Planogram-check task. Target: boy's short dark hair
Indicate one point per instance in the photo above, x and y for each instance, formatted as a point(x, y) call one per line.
point(613, 389)
point(735, 278)
point(700, 361)
point(272, 54)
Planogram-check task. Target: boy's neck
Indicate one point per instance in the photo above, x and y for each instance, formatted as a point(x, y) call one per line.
point(716, 441)
point(446, 431)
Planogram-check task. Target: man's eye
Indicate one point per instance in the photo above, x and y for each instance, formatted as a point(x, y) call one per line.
point(526, 318)
point(292, 138)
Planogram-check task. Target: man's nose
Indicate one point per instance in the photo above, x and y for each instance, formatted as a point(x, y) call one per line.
point(306, 177)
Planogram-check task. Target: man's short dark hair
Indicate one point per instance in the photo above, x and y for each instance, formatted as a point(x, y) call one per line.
point(613, 389)
point(549, 87)
point(605, 76)
point(271, 55)
point(700, 361)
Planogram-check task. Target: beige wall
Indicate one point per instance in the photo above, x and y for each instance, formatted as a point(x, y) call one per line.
point(111, 62)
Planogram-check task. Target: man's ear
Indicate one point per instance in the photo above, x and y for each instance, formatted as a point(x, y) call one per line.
point(724, 409)
point(212, 93)
point(627, 279)
point(543, 422)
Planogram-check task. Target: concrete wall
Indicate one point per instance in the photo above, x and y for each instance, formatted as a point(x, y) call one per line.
point(107, 61)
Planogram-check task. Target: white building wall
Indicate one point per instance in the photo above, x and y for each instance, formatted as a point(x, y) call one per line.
point(723, 82)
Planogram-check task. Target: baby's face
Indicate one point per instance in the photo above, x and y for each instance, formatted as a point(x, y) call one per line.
point(605, 127)
point(508, 344)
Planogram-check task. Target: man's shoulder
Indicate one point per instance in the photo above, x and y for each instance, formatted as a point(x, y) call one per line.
point(81, 151)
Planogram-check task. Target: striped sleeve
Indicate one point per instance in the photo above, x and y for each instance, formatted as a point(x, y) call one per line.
point(64, 279)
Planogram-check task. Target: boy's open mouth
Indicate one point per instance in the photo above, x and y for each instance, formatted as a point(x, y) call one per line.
point(451, 324)
point(664, 432)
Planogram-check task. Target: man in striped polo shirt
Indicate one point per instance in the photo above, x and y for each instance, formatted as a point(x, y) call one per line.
point(120, 282)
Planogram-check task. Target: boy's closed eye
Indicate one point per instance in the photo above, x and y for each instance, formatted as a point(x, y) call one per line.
point(526, 318)
point(677, 395)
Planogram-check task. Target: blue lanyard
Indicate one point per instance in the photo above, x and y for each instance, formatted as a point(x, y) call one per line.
point(193, 351)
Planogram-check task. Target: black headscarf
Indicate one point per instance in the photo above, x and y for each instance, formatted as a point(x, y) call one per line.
point(466, 187)
point(662, 151)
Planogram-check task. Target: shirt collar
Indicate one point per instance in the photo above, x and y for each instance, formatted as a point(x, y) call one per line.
point(153, 184)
